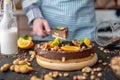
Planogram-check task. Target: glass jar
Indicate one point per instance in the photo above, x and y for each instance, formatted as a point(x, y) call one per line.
point(108, 33)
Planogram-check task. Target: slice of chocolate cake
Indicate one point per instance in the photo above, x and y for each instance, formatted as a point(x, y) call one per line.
point(60, 32)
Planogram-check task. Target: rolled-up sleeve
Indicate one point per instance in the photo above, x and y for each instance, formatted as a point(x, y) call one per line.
point(31, 9)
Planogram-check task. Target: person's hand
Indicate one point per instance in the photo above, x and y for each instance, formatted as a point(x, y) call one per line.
point(41, 27)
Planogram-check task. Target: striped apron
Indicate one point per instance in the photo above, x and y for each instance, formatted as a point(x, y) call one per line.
point(77, 15)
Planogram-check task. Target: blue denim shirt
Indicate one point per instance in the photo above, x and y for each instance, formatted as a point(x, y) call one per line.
point(77, 15)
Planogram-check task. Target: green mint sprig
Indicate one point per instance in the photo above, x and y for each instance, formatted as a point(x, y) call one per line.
point(81, 41)
point(25, 37)
point(59, 27)
point(55, 44)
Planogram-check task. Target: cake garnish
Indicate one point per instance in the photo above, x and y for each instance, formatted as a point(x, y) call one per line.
point(60, 28)
point(25, 42)
point(55, 42)
point(87, 41)
point(81, 41)
point(69, 48)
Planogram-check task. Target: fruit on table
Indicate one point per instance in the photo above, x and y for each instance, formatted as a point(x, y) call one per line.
point(25, 43)
point(87, 41)
point(70, 48)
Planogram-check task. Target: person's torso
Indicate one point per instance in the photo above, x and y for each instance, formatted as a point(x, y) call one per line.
point(77, 15)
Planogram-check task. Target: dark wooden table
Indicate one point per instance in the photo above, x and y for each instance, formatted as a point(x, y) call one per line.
point(107, 73)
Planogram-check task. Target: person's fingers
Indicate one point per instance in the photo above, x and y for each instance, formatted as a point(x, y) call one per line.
point(46, 26)
point(38, 30)
point(41, 27)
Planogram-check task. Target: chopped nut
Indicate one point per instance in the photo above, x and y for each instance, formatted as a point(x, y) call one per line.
point(104, 63)
point(38, 46)
point(32, 52)
point(76, 43)
point(80, 77)
point(66, 74)
point(97, 78)
point(55, 74)
point(47, 77)
point(99, 61)
point(28, 63)
point(35, 78)
point(50, 74)
point(92, 77)
point(105, 51)
point(99, 74)
point(60, 74)
point(85, 74)
point(32, 57)
point(63, 59)
point(108, 57)
point(75, 78)
point(99, 69)
point(92, 72)
point(83, 47)
point(101, 48)
point(86, 69)
point(94, 69)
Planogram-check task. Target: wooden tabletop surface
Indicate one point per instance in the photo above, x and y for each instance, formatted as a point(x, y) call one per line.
point(107, 73)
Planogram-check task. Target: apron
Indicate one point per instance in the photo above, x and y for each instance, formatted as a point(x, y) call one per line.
point(77, 15)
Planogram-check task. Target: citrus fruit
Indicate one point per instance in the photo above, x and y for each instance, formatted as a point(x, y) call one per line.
point(87, 41)
point(29, 38)
point(55, 42)
point(70, 48)
point(25, 43)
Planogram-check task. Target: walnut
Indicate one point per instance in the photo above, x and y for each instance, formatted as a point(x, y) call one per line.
point(76, 43)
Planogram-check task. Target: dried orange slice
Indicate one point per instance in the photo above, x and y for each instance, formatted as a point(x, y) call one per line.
point(87, 41)
point(70, 48)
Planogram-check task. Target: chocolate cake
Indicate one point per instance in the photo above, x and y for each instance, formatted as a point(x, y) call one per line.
point(69, 56)
point(60, 32)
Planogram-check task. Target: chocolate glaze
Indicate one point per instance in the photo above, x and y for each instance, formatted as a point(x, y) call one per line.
point(57, 55)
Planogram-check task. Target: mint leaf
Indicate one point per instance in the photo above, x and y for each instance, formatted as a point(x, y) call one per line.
point(60, 40)
point(25, 37)
point(18, 36)
point(58, 27)
point(55, 44)
point(81, 41)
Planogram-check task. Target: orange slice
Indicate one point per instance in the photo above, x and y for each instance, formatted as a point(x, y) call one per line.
point(22, 43)
point(30, 46)
point(70, 48)
point(29, 38)
point(56, 41)
point(87, 41)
